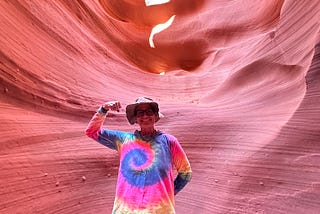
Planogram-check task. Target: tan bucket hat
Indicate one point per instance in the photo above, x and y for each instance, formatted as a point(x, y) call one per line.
point(131, 108)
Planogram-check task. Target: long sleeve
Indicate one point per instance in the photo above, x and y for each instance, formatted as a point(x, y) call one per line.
point(95, 131)
point(95, 124)
point(182, 165)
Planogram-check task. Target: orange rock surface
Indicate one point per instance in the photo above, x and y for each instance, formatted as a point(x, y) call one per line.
point(239, 87)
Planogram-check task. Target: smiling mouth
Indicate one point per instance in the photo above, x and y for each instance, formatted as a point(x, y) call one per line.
point(146, 120)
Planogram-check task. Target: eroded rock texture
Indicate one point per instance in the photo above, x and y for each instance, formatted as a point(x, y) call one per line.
point(239, 87)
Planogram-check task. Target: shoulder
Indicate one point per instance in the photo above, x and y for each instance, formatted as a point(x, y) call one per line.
point(118, 134)
point(170, 138)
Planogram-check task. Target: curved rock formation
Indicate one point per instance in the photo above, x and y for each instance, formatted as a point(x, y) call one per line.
point(237, 81)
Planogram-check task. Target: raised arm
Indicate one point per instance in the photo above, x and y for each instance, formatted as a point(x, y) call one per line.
point(94, 129)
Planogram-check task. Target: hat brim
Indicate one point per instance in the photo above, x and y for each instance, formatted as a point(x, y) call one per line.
point(130, 111)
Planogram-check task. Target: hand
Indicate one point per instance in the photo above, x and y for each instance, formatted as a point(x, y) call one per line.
point(112, 105)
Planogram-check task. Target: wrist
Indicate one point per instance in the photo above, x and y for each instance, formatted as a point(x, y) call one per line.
point(102, 110)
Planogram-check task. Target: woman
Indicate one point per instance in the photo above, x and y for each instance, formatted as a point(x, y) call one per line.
point(147, 157)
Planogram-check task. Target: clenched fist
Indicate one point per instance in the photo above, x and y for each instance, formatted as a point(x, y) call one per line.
point(112, 105)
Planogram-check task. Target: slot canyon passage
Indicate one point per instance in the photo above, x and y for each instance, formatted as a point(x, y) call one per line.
point(237, 81)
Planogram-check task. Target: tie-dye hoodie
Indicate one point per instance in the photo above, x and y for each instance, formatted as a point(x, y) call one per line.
point(145, 178)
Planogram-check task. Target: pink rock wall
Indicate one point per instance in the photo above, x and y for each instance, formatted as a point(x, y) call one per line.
point(240, 90)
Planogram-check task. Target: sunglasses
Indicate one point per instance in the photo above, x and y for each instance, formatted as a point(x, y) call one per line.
point(148, 112)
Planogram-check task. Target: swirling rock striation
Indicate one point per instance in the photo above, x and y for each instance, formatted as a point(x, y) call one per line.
point(239, 87)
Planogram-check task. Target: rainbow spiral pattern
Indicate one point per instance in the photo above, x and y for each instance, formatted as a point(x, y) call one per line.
point(143, 164)
point(145, 180)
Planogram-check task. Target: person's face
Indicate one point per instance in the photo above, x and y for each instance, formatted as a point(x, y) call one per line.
point(145, 116)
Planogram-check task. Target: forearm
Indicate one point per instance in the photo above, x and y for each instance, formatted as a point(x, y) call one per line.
point(96, 123)
point(181, 181)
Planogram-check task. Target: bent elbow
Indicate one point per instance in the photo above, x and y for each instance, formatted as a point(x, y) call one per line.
point(90, 133)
